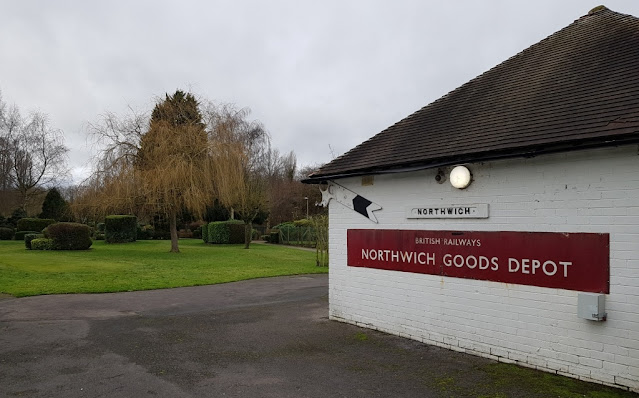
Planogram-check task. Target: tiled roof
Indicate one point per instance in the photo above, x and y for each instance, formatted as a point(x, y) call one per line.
point(576, 89)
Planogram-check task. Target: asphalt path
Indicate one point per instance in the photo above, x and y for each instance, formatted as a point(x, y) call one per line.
point(261, 338)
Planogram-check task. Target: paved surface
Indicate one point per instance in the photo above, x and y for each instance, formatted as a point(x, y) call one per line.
point(261, 338)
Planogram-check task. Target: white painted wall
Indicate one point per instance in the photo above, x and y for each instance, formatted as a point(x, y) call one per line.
point(586, 191)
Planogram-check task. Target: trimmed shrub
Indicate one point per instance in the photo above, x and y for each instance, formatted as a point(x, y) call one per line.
point(266, 238)
point(69, 236)
point(34, 224)
point(205, 233)
point(20, 235)
point(41, 244)
point(197, 233)
point(218, 232)
point(28, 238)
point(99, 236)
point(224, 232)
point(6, 233)
point(100, 227)
point(120, 229)
point(255, 234)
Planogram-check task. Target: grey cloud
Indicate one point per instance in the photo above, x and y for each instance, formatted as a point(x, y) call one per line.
point(316, 73)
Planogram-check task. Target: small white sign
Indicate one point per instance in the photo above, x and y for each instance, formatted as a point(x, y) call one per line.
point(448, 211)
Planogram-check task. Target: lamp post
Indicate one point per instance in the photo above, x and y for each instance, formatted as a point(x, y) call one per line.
point(306, 198)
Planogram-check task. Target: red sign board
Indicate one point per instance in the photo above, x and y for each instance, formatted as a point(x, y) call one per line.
point(573, 261)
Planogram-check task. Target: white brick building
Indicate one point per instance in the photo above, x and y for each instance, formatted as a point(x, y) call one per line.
point(565, 161)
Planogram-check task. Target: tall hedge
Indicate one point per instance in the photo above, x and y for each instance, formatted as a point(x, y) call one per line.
point(224, 232)
point(218, 232)
point(69, 236)
point(34, 224)
point(120, 229)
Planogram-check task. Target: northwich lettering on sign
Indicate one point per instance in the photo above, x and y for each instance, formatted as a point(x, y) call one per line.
point(448, 211)
point(575, 261)
point(526, 265)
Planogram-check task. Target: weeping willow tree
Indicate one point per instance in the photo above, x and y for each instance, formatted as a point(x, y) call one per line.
point(239, 148)
point(157, 166)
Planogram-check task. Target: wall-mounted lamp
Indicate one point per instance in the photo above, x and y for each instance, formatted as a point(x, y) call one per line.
point(460, 177)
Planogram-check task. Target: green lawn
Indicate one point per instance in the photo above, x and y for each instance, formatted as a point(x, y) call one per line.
point(143, 265)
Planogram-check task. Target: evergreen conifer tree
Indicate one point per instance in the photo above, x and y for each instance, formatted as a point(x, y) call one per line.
point(54, 206)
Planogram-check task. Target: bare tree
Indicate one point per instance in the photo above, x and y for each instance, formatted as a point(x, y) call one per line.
point(279, 166)
point(32, 153)
point(289, 199)
point(5, 163)
point(7, 122)
point(111, 188)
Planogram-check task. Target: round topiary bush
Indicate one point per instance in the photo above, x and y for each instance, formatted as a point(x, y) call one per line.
point(68, 236)
point(6, 233)
point(120, 229)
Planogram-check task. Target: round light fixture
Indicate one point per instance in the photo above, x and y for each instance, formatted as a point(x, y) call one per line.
point(460, 177)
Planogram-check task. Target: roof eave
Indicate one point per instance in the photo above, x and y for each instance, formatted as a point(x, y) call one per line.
point(524, 152)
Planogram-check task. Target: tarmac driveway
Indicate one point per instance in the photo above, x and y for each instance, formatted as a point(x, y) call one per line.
point(261, 338)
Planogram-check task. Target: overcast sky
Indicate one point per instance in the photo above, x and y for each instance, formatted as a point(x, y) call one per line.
point(322, 76)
